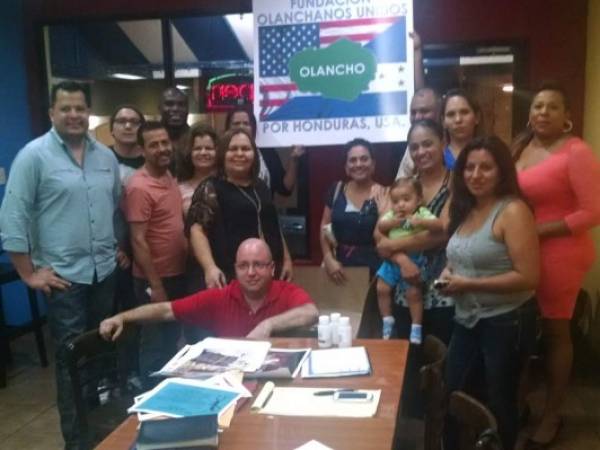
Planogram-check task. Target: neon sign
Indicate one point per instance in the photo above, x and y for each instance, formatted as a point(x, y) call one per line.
point(225, 92)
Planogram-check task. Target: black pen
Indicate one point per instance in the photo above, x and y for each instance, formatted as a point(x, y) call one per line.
point(332, 392)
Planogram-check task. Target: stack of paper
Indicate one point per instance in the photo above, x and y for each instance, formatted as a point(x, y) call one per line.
point(215, 355)
point(178, 397)
point(185, 413)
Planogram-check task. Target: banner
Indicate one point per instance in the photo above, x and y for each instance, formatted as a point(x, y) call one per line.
point(327, 71)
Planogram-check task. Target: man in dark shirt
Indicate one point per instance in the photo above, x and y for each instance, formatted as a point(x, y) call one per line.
point(254, 305)
point(173, 108)
point(124, 124)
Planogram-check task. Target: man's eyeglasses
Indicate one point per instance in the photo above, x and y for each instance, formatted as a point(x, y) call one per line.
point(256, 265)
point(132, 122)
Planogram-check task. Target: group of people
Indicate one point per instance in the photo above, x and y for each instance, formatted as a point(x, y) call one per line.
point(467, 244)
point(168, 212)
point(471, 240)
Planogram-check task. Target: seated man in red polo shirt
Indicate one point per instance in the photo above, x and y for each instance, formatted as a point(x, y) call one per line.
point(254, 305)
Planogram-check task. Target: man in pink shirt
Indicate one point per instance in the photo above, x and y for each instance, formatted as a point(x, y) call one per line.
point(153, 208)
point(254, 305)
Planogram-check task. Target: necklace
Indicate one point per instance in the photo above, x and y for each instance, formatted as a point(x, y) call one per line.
point(257, 206)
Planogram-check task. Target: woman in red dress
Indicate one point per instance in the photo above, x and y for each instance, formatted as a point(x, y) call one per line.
point(560, 176)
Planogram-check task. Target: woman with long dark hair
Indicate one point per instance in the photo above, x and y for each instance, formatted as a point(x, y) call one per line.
point(196, 162)
point(491, 273)
point(232, 207)
point(351, 211)
point(426, 146)
point(461, 118)
point(270, 169)
point(560, 177)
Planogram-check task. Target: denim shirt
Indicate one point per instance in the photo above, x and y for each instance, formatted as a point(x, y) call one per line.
point(61, 213)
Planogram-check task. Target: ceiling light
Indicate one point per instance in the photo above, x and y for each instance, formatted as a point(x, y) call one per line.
point(127, 76)
point(508, 88)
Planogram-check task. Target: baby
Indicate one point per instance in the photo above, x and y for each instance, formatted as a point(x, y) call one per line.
point(407, 217)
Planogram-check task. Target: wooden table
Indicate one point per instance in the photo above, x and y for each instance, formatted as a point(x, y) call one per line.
point(263, 432)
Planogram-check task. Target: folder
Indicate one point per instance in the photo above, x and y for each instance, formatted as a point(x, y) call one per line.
point(337, 362)
point(293, 401)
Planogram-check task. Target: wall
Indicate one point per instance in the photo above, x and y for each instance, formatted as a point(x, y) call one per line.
point(15, 129)
point(14, 109)
point(554, 31)
point(591, 126)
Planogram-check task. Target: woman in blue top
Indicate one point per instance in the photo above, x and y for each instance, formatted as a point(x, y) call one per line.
point(351, 212)
point(461, 118)
point(492, 271)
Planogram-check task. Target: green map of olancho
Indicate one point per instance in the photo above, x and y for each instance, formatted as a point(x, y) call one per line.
point(341, 71)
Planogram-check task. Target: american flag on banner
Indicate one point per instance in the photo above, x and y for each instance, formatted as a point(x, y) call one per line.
point(385, 36)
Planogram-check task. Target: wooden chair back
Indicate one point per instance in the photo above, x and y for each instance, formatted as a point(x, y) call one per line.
point(99, 391)
point(432, 385)
point(478, 428)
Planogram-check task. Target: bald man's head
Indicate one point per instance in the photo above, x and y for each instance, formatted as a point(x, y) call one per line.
point(255, 248)
point(254, 268)
point(425, 104)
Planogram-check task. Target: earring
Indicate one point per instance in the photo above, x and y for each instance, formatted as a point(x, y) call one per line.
point(569, 124)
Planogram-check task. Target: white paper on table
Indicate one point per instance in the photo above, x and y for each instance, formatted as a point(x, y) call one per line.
point(294, 401)
point(230, 380)
point(313, 445)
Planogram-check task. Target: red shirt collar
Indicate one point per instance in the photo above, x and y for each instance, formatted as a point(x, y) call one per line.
point(238, 296)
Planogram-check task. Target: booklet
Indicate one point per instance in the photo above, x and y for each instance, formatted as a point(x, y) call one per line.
point(281, 363)
point(178, 397)
point(216, 355)
point(183, 432)
point(337, 362)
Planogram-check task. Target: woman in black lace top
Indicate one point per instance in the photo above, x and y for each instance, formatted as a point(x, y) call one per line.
point(231, 207)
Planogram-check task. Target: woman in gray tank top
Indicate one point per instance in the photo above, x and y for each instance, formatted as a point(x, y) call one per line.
point(492, 271)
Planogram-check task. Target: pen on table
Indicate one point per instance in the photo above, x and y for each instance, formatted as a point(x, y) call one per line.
point(332, 391)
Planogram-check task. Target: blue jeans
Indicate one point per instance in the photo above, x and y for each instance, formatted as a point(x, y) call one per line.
point(502, 343)
point(158, 340)
point(70, 313)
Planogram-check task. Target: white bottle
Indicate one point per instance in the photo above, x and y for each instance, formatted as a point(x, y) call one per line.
point(345, 332)
point(335, 320)
point(324, 332)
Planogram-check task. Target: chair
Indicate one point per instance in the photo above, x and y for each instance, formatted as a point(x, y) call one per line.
point(432, 385)
point(370, 323)
point(99, 390)
point(412, 432)
point(478, 429)
point(8, 274)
